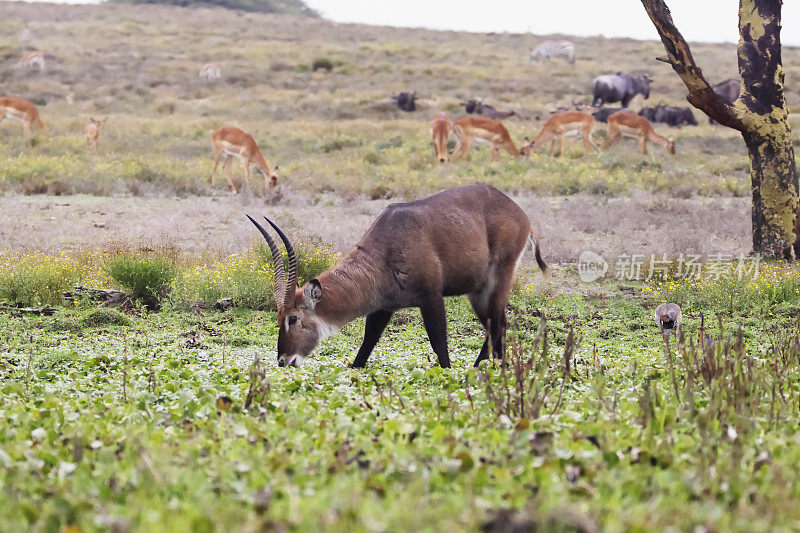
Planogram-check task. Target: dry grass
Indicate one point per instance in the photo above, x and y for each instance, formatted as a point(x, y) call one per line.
point(329, 131)
point(567, 225)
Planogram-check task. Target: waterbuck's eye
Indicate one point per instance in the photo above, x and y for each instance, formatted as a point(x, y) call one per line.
point(292, 320)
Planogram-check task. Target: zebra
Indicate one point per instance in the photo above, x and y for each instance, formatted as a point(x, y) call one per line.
point(550, 49)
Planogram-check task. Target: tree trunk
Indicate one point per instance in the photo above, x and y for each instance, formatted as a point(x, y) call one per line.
point(760, 114)
point(774, 186)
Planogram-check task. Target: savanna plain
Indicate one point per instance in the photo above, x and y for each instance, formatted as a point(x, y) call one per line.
point(168, 414)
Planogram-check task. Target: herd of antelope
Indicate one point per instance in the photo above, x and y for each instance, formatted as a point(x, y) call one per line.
point(470, 128)
point(232, 142)
point(227, 141)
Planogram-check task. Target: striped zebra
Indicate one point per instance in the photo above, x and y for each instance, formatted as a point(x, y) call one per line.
point(549, 49)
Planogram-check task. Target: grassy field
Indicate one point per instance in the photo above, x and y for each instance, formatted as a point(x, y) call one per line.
point(328, 130)
point(133, 419)
point(139, 421)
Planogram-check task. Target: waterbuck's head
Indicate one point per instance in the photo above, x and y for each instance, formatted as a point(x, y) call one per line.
point(299, 328)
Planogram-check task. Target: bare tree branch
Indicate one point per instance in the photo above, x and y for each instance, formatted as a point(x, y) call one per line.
point(701, 94)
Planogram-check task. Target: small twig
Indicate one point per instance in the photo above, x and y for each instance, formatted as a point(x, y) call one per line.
point(125, 368)
point(150, 466)
point(28, 367)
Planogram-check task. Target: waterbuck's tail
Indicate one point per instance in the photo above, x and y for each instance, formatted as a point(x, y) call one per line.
point(537, 253)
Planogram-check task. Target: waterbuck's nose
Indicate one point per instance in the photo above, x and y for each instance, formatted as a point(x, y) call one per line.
point(442, 160)
point(281, 361)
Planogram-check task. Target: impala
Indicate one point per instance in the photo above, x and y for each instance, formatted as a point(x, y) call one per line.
point(21, 111)
point(233, 142)
point(460, 241)
point(441, 126)
point(92, 132)
point(468, 129)
point(560, 125)
point(625, 123)
point(32, 60)
point(210, 71)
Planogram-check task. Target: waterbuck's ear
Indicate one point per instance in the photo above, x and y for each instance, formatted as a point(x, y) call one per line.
point(312, 293)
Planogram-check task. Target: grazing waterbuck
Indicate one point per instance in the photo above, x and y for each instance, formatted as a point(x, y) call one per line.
point(466, 240)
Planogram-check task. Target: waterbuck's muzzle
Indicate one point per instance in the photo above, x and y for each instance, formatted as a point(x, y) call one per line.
point(293, 360)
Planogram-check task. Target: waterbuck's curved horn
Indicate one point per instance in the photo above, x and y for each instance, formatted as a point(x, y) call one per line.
point(277, 264)
point(291, 278)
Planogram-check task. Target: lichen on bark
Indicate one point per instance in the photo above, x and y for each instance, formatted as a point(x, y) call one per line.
point(760, 114)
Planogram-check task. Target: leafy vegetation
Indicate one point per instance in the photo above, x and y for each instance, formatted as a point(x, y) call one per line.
point(246, 278)
point(586, 427)
point(147, 277)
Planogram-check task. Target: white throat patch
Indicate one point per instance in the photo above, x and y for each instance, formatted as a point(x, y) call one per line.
point(324, 329)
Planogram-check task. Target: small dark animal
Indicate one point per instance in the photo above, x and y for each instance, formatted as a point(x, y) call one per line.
point(728, 90)
point(602, 114)
point(406, 101)
point(669, 115)
point(476, 107)
point(619, 87)
point(668, 318)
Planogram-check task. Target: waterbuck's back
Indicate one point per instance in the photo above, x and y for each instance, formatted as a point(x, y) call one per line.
point(451, 242)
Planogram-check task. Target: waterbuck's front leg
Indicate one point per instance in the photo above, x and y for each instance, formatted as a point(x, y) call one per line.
point(434, 318)
point(376, 323)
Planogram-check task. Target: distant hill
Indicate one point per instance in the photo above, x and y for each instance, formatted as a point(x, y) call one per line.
point(284, 7)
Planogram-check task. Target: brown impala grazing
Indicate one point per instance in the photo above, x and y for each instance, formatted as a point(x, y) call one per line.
point(467, 129)
point(632, 125)
point(562, 124)
point(32, 61)
point(210, 71)
point(440, 131)
point(233, 142)
point(21, 111)
point(92, 132)
point(460, 241)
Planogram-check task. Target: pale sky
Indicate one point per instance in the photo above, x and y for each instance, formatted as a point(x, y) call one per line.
point(698, 20)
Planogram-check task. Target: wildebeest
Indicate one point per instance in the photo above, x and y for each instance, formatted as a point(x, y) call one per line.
point(406, 101)
point(477, 107)
point(669, 115)
point(548, 49)
point(619, 87)
point(728, 90)
point(602, 114)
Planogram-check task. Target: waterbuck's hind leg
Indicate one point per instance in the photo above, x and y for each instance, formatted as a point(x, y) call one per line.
point(376, 323)
point(434, 318)
point(479, 301)
point(498, 299)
